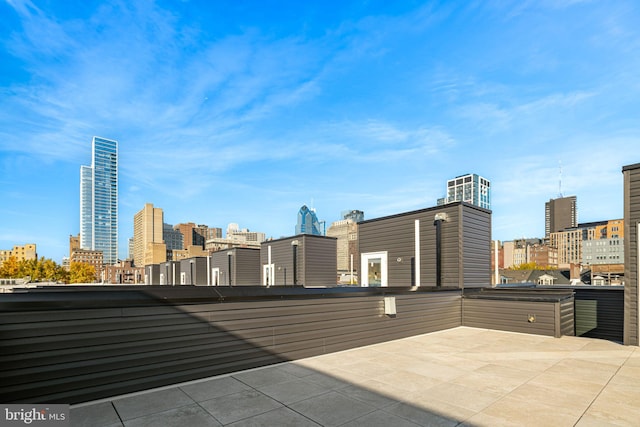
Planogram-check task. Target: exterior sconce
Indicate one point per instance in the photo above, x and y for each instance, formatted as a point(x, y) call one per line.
point(441, 217)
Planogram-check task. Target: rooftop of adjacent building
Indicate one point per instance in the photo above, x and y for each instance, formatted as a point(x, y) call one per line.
point(458, 377)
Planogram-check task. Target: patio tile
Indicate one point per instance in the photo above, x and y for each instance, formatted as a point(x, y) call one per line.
point(514, 412)
point(297, 370)
point(433, 369)
point(281, 417)
point(98, 414)
point(265, 376)
point(572, 401)
point(464, 397)
point(380, 419)
point(420, 416)
point(408, 381)
point(328, 382)
point(332, 409)
point(369, 369)
point(372, 393)
point(234, 407)
point(192, 416)
point(151, 403)
point(292, 391)
point(448, 410)
point(213, 388)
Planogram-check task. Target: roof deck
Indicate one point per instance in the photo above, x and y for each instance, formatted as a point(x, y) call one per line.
point(460, 376)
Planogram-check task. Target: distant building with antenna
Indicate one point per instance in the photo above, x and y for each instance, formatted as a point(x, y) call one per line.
point(559, 214)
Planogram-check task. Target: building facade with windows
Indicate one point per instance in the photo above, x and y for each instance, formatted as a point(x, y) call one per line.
point(470, 188)
point(560, 214)
point(20, 253)
point(148, 242)
point(99, 200)
point(347, 256)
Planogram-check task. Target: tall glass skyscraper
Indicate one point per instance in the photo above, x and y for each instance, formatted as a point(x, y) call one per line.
point(99, 200)
point(308, 222)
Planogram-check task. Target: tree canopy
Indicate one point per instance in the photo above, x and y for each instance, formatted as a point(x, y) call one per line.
point(45, 269)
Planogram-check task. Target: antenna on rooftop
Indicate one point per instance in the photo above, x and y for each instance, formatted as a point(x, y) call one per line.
point(560, 180)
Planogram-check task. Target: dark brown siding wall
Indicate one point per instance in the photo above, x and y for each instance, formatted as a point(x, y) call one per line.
point(196, 267)
point(565, 314)
point(152, 273)
point(452, 260)
point(247, 267)
point(74, 346)
point(466, 240)
point(541, 313)
point(631, 219)
point(282, 259)
point(321, 265)
point(316, 260)
point(476, 248)
point(599, 312)
point(167, 269)
point(220, 260)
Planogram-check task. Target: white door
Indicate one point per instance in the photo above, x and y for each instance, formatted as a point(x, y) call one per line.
point(183, 278)
point(374, 269)
point(215, 276)
point(268, 275)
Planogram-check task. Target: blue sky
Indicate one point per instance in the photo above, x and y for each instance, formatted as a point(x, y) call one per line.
point(244, 111)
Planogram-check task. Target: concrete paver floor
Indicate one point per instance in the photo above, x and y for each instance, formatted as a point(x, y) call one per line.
point(458, 377)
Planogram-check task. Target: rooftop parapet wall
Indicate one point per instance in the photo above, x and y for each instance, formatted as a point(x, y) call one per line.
point(631, 176)
point(70, 345)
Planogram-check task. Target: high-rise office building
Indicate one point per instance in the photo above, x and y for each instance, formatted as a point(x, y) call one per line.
point(559, 214)
point(308, 222)
point(470, 188)
point(148, 242)
point(99, 200)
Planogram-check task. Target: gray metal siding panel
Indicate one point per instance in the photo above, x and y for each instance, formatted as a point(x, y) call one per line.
point(567, 326)
point(631, 219)
point(452, 273)
point(466, 239)
point(510, 315)
point(220, 260)
point(320, 261)
point(396, 235)
point(84, 354)
point(316, 260)
point(599, 313)
point(476, 252)
point(247, 267)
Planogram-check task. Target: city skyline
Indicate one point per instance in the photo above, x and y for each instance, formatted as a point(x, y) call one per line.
point(244, 112)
